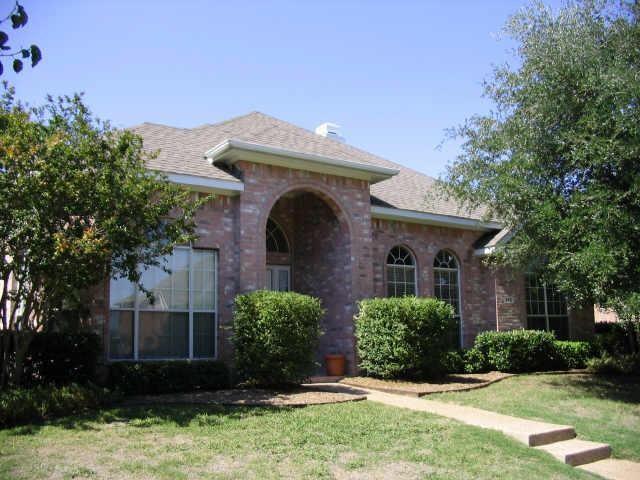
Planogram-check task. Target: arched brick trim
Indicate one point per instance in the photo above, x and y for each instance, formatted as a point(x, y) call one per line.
point(317, 189)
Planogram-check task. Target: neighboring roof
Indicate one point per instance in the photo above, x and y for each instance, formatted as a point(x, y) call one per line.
point(488, 242)
point(182, 152)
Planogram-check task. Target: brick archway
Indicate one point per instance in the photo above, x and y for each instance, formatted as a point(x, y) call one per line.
point(320, 260)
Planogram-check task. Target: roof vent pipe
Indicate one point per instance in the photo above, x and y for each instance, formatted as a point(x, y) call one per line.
point(330, 130)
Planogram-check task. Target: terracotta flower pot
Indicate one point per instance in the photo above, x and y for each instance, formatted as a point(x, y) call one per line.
point(335, 365)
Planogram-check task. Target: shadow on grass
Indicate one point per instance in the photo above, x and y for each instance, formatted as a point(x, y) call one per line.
point(620, 388)
point(151, 415)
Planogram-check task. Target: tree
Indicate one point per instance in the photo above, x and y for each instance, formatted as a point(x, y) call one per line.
point(558, 161)
point(77, 206)
point(19, 19)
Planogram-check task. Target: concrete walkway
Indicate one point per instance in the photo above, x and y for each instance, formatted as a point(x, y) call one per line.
point(558, 440)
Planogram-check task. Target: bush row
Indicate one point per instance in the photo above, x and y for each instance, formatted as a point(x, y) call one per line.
point(525, 351)
point(142, 378)
point(23, 405)
point(61, 358)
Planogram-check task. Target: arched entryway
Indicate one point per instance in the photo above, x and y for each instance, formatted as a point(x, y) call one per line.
point(308, 250)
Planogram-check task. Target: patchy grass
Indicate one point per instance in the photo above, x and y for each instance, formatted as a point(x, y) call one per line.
point(359, 440)
point(602, 408)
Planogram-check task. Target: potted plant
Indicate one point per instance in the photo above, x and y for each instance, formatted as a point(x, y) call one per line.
point(335, 364)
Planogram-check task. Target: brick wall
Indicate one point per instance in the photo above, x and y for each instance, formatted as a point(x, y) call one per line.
point(424, 241)
point(511, 306)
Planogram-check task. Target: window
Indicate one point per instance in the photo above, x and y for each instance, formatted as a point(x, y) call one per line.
point(446, 286)
point(546, 307)
point(278, 278)
point(180, 323)
point(401, 273)
point(276, 239)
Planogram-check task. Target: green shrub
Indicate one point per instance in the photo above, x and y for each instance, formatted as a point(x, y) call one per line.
point(276, 336)
point(62, 358)
point(59, 358)
point(615, 339)
point(619, 364)
point(572, 354)
point(26, 405)
point(475, 361)
point(454, 361)
point(515, 351)
point(403, 337)
point(169, 376)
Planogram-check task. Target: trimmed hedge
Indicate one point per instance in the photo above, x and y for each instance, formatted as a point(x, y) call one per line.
point(170, 376)
point(572, 354)
point(525, 351)
point(513, 351)
point(26, 405)
point(403, 337)
point(275, 336)
point(62, 358)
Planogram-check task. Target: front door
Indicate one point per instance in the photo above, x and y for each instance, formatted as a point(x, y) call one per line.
point(279, 278)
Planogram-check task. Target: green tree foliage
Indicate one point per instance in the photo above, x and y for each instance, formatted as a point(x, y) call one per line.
point(18, 18)
point(558, 160)
point(77, 205)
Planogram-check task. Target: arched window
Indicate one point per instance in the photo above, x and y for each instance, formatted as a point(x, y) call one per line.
point(401, 273)
point(446, 286)
point(276, 240)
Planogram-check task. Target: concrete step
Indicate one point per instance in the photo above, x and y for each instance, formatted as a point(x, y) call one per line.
point(614, 469)
point(577, 452)
point(530, 432)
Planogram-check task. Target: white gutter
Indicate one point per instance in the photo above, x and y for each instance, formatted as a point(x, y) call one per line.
point(412, 216)
point(219, 152)
point(205, 184)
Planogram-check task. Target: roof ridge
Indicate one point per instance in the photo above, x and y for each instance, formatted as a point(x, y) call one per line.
point(157, 125)
point(228, 120)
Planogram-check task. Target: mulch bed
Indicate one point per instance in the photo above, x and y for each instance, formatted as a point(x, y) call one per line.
point(450, 383)
point(249, 397)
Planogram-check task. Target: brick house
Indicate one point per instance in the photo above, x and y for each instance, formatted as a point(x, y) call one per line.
point(305, 211)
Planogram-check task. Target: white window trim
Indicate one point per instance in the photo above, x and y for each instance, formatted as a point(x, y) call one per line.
point(136, 317)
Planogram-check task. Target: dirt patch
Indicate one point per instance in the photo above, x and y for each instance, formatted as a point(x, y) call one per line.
point(253, 397)
point(450, 383)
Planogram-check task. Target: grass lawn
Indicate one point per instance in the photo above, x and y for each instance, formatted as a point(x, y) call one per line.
point(359, 440)
point(605, 409)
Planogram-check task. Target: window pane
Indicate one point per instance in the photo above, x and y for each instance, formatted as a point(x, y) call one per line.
point(121, 334)
point(560, 327)
point(204, 335)
point(203, 276)
point(536, 323)
point(283, 280)
point(164, 335)
point(122, 293)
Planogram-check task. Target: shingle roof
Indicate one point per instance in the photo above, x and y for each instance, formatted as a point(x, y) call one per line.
point(182, 151)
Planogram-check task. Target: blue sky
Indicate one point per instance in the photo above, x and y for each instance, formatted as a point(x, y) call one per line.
point(394, 74)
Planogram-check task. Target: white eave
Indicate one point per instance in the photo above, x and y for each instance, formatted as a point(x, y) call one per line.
point(205, 184)
point(232, 150)
point(435, 219)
